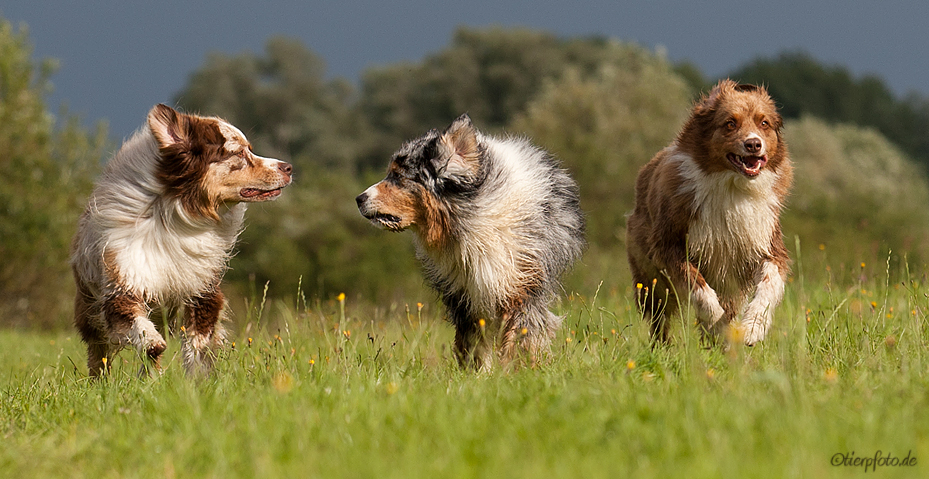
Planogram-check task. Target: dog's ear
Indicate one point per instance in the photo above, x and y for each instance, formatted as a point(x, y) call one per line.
point(458, 153)
point(168, 125)
point(708, 103)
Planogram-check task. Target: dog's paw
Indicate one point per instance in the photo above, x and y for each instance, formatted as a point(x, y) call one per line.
point(755, 323)
point(707, 307)
point(199, 351)
point(146, 339)
point(752, 331)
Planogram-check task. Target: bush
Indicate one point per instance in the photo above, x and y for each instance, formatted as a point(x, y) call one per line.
point(855, 193)
point(604, 128)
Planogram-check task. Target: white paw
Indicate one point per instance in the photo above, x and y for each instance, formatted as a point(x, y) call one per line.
point(199, 351)
point(146, 339)
point(707, 306)
point(753, 331)
point(755, 323)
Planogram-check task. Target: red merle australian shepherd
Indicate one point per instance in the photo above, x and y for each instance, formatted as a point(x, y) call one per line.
point(159, 229)
point(496, 223)
point(705, 232)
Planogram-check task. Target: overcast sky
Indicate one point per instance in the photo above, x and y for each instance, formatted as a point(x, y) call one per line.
point(118, 58)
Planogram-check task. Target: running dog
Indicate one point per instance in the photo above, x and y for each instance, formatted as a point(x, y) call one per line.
point(497, 222)
point(159, 229)
point(705, 230)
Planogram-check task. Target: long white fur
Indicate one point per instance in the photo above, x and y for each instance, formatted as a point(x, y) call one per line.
point(735, 218)
point(734, 221)
point(485, 263)
point(161, 253)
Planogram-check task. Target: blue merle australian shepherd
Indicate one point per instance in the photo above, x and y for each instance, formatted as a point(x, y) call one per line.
point(497, 222)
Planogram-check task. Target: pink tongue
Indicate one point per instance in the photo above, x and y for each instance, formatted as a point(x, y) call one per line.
point(751, 161)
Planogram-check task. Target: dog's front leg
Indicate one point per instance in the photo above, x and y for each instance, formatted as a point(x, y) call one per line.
point(473, 347)
point(203, 331)
point(769, 291)
point(127, 322)
point(703, 298)
point(687, 281)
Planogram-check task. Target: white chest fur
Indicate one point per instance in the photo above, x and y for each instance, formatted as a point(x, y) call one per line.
point(733, 221)
point(160, 259)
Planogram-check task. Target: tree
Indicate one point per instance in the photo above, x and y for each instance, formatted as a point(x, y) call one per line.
point(490, 74)
point(855, 191)
point(282, 102)
point(605, 127)
point(47, 175)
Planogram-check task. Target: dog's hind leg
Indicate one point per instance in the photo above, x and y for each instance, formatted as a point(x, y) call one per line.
point(89, 323)
point(97, 347)
point(204, 332)
point(473, 335)
point(512, 319)
point(656, 302)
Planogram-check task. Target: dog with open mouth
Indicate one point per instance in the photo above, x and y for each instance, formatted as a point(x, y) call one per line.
point(159, 231)
point(705, 231)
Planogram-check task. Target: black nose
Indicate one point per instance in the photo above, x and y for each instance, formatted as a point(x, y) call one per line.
point(285, 168)
point(753, 145)
point(360, 199)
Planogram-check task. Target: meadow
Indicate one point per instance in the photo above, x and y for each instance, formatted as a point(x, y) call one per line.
point(336, 388)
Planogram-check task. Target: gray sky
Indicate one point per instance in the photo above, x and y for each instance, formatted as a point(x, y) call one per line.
point(118, 58)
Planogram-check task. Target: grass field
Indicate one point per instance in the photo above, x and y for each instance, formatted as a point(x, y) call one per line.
point(331, 390)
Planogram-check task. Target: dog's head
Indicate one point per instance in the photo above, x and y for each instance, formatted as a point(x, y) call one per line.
point(206, 162)
point(425, 176)
point(736, 127)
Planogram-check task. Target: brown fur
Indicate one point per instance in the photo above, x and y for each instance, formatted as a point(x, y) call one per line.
point(670, 257)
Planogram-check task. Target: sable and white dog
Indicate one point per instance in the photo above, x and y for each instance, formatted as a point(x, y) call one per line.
point(159, 229)
point(706, 227)
point(497, 223)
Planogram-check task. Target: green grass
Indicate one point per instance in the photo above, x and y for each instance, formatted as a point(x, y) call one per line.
point(844, 370)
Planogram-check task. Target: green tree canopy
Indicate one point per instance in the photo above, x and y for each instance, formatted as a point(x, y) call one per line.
point(855, 191)
point(607, 125)
point(602, 106)
point(491, 74)
point(47, 174)
point(282, 103)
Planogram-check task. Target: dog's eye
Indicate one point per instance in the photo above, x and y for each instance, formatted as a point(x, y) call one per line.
point(765, 124)
point(731, 124)
point(237, 163)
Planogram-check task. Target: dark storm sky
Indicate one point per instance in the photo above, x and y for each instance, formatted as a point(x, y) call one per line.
point(118, 58)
